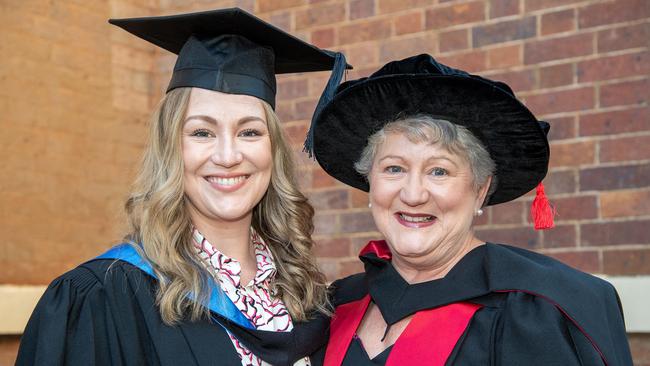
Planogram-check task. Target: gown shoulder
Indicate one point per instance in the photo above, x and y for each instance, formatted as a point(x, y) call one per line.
point(348, 289)
point(549, 297)
point(78, 318)
point(104, 312)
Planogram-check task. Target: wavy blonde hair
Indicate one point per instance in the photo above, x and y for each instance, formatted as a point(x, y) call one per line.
point(161, 227)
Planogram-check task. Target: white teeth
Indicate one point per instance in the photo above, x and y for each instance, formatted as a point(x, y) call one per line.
point(226, 181)
point(416, 218)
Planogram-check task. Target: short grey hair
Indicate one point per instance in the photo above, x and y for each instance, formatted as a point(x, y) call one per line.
point(455, 138)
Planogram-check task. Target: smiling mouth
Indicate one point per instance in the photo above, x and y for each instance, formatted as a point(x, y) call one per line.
point(415, 220)
point(409, 218)
point(227, 183)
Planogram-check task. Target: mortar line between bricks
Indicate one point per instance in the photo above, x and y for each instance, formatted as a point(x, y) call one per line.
point(595, 248)
point(538, 38)
point(609, 109)
point(601, 261)
point(590, 112)
point(553, 9)
point(400, 37)
point(568, 222)
point(590, 57)
point(630, 190)
point(578, 235)
point(578, 7)
point(567, 250)
point(623, 79)
point(599, 138)
point(550, 63)
point(608, 164)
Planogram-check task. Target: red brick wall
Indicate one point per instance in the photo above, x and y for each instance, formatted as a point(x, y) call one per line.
point(74, 102)
point(76, 95)
point(581, 65)
point(75, 99)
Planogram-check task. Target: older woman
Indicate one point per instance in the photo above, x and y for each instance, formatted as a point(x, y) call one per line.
point(217, 269)
point(433, 145)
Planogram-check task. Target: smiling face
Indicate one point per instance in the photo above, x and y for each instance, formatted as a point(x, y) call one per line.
point(226, 154)
point(423, 197)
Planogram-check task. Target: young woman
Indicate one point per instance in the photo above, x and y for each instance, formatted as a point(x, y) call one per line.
point(217, 268)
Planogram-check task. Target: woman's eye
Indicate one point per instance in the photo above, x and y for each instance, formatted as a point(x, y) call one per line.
point(250, 133)
point(394, 169)
point(201, 133)
point(439, 172)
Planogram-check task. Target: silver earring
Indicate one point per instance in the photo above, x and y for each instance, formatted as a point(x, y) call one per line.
point(479, 212)
point(369, 205)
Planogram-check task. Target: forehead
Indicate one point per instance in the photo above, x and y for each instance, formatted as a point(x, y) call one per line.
point(214, 103)
point(398, 144)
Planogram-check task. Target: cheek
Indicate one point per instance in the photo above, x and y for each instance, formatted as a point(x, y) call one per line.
point(192, 156)
point(457, 201)
point(381, 194)
point(261, 156)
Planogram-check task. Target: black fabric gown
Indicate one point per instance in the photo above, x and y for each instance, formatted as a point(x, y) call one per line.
point(104, 313)
point(529, 310)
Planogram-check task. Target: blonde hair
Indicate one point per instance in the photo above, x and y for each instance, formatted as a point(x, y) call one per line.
point(161, 227)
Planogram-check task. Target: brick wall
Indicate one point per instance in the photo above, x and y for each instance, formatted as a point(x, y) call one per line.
point(75, 99)
point(581, 65)
point(77, 94)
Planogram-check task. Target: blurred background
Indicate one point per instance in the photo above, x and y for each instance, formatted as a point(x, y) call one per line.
point(76, 94)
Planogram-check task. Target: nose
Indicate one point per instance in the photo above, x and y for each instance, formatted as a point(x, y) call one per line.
point(226, 152)
point(414, 193)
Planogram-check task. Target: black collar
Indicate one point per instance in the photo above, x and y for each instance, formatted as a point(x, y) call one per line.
point(398, 299)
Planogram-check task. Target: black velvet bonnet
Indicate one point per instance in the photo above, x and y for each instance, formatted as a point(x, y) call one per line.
point(416, 85)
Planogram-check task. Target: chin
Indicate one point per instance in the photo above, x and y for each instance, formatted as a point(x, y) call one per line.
point(230, 216)
point(411, 248)
point(228, 210)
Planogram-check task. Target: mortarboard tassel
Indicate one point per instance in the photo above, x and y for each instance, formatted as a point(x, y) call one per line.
point(328, 94)
point(541, 210)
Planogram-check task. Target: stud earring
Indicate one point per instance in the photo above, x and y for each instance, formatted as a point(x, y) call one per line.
point(479, 212)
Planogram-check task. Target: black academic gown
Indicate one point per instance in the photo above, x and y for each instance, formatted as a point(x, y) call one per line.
point(104, 313)
point(506, 305)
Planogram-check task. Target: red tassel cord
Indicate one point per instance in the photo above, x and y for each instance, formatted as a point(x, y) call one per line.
point(541, 210)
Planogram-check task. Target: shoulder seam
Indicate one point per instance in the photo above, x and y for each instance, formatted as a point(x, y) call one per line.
point(99, 279)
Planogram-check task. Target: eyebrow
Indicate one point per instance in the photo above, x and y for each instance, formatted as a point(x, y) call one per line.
point(436, 157)
point(390, 157)
point(442, 158)
point(213, 121)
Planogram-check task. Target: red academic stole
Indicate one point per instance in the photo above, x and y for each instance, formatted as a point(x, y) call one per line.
point(428, 339)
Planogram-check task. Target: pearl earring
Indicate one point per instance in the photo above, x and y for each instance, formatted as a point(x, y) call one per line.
point(369, 205)
point(479, 212)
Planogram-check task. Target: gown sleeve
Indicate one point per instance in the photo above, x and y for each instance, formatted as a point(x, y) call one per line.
point(533, 331)
point(70, 325)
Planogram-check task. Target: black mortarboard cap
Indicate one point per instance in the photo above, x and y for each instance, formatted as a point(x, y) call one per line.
point(232, 51)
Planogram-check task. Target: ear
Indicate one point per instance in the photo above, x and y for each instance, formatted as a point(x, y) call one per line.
point(482, 192)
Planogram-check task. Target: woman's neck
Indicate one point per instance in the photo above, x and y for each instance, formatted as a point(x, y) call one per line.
point(437, 263)
point(231, 238)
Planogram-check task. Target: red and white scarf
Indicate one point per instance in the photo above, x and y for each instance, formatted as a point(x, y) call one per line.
point(255, 299)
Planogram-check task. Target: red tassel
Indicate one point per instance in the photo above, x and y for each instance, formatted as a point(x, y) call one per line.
point(541, 210)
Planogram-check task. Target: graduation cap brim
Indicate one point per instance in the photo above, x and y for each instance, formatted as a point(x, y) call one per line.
point(172, 31)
